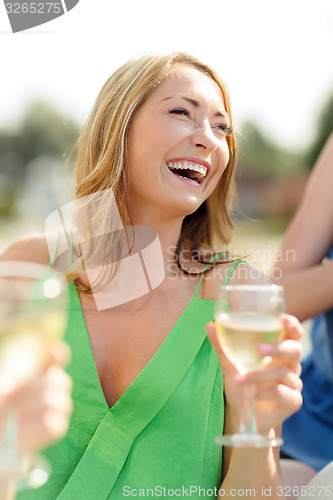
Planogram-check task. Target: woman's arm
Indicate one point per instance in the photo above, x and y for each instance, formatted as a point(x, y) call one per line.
point(308, 282)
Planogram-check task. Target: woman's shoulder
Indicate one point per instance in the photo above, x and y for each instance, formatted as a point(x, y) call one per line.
point(32, 248)
point(234, 272)
point(242, 272)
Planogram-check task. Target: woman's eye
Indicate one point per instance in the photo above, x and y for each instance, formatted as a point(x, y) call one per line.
point(224, 129)
point(179, 111)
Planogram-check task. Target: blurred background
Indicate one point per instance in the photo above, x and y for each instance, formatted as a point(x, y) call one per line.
point(276, 59)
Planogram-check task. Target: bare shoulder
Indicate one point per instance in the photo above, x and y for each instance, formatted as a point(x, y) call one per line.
point(245, 273)
point(234, 273)
point(32, 248)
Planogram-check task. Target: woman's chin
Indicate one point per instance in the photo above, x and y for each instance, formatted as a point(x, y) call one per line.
point(186, 206)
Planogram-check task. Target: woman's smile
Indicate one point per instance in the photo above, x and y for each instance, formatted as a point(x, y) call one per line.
point(192, 169)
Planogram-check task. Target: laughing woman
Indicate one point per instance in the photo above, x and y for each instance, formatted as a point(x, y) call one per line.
point(148, 386)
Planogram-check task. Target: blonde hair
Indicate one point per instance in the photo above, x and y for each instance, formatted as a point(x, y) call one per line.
point(102, 154)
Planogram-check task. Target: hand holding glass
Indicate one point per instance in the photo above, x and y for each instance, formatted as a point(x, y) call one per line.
point(32, 317)
point(245, 316)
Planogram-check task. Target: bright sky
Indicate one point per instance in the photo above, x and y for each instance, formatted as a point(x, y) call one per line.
point(275, 57)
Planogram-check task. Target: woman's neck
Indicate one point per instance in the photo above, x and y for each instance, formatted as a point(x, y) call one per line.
point(168, 233)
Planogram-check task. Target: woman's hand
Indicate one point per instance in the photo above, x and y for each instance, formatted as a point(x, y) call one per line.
point(277, 386)
point(44, 404)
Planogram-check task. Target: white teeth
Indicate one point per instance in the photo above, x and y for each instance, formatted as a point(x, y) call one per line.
point(188, 166)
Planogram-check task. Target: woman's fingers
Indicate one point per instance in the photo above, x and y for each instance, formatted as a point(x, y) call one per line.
point(288, 353)
point(43, 390)
point(44, 405)
point(281, 396)
point(61, 353)
point(273, 375)
point(293, 328)
point(276, 403)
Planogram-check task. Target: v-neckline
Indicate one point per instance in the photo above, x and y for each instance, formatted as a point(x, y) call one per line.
point(76, 303)
point(114, 430)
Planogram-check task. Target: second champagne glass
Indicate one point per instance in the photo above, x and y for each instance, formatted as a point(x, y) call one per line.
point(245, 316)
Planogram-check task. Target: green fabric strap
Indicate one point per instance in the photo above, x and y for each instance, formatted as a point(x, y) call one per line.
point(54, 250)
point(54, 253)
point(226, 279)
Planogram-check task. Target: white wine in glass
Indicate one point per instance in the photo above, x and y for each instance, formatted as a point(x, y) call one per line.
point(245, 316)
point(32, 316)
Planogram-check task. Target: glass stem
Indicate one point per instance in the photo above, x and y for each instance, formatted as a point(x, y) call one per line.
point(253, 429)
point(7, 491)
point(249, 425)
point(10, 438)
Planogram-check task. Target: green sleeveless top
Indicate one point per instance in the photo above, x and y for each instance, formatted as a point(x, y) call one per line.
point(159, 434)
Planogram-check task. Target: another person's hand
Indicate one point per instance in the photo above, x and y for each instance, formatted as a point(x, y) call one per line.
point(44, 404)
point(277, 386)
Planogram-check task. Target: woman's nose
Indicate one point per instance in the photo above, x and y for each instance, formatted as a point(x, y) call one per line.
point(203, 137)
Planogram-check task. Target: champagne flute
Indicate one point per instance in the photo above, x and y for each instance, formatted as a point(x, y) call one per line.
point(245, 316)
point(32, 317)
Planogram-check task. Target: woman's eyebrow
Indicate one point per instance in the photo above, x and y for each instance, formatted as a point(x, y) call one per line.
point(194, 102)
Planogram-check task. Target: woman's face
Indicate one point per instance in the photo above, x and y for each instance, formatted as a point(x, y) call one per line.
point(177, 148)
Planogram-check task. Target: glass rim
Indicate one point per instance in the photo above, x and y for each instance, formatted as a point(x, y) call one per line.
point(25, 269)
point(252, 287)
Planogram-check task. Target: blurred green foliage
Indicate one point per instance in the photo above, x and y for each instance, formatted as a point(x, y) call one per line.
point(261, 157)
point(264, 158)
point(270, 178)
point(324, 127)
point(43, 132)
